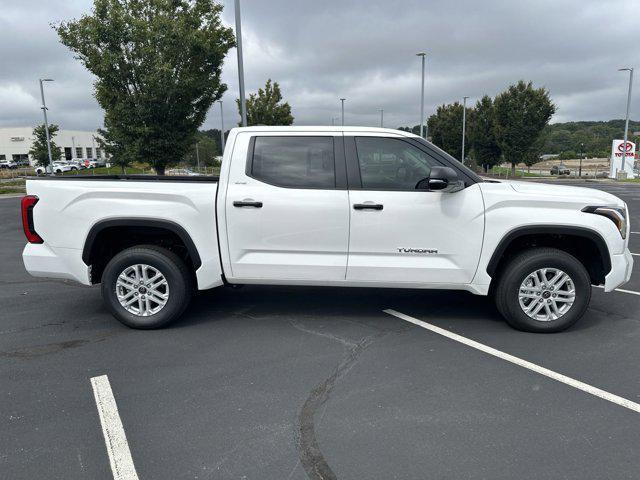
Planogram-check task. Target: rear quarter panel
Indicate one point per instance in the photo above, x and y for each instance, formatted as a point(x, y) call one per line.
point(68, 209)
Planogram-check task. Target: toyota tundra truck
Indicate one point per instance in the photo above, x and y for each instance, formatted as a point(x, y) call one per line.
point(328, 206)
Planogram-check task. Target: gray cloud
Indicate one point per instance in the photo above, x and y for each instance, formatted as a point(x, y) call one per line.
point(364, 51)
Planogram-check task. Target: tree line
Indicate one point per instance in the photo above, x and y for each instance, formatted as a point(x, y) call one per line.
point(507, 128)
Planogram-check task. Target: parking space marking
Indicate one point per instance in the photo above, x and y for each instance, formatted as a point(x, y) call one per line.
point(610, 397)
point(114, 437)
point(632, 292)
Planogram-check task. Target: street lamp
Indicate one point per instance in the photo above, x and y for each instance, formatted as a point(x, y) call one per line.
point(382, 118)
point(342, 101)
point(46, 122)
point(243, 103)
point(582, 155)
point(464, 123)
point(423, 55)
point(221, 127)
point(626, 124)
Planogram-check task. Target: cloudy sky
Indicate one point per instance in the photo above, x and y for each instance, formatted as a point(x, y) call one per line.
point(363, 50)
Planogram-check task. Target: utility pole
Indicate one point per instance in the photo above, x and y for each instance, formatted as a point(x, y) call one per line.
point(46, 122)
point(382, 118)
point(581, 157)
point(221, 127)
point(464, 123)
point(626, 124)
point(342, 101)
point(423, 55)
point(243, 103)
point(198, 155)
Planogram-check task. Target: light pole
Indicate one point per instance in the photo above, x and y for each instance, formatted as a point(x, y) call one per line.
point(46, 122)
point(581, 157)
point(423, 55)
point(198, 155)
point(221, 127)
point(243, 103)
point(626, 123)
point(464, 123)
point(382, 118)
point(342, 101)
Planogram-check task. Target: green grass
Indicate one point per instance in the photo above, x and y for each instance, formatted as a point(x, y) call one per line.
point(12, 186)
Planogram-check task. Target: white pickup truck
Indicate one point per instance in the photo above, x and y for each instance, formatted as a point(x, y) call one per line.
point(349, 206)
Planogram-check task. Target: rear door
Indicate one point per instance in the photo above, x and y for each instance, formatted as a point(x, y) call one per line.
point(287, 207)
point(403, 235)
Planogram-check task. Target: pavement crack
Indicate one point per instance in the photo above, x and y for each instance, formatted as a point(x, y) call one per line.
point(311, 457)
point(330, 336)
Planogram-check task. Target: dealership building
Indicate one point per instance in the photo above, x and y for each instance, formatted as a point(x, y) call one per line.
point(15, 144)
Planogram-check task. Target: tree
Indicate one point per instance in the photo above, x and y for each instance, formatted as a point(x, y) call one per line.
point(118, 143)
point(482, 138)
point(445, 128)
point(521, 114)
point(39, 150)
point(207, 150)
point(158, 66)
point(266, 108)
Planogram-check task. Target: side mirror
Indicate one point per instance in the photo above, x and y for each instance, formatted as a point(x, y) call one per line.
point(443, 179)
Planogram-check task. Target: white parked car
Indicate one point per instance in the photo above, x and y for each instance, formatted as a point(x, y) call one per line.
point(57, 167)
point(329, 206)
point(182, 172)
point(8, 164)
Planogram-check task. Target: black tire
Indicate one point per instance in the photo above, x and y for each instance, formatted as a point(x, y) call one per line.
point(176, 273)
point(516, 271)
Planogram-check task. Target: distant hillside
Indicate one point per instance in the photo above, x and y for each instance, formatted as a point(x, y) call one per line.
point(596, 136)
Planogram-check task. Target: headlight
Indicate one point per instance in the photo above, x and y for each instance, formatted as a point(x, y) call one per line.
point(618, 215)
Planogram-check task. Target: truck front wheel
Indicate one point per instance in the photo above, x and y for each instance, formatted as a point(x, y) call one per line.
point(146, 286)
point(543, 290)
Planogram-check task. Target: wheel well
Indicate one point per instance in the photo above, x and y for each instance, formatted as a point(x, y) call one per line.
point(589, 248)
point(107, 240)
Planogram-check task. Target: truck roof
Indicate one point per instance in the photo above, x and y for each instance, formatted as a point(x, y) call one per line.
point(322, 128)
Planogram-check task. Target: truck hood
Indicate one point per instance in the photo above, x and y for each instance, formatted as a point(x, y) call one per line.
point(589, 196)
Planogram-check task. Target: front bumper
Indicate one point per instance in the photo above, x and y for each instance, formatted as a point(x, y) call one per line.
point(621, 267)
point(41, 260)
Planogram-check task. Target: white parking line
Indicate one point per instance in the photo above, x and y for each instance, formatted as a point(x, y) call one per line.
point(116, 441)
point(632, 292)
point(623, 402)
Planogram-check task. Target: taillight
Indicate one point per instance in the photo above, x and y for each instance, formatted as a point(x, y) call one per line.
point(28, 203)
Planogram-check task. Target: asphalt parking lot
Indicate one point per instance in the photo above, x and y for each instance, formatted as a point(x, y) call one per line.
point(296, 383)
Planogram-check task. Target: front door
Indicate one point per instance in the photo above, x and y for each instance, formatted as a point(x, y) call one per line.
point(403, 235)
point(287, 208)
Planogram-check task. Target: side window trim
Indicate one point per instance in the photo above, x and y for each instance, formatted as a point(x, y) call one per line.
point(338, 158)
point(353, 165)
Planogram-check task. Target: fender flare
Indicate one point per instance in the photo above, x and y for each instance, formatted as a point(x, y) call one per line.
point(140, 222)
point(549, 230)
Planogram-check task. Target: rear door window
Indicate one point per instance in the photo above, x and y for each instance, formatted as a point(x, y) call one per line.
point(294, 162)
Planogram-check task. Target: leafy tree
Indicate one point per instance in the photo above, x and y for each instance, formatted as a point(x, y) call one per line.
point(521, 113)
point(445, 128)
point(39, 149)
point(158, 65)
point(207, 150)
point(266, 108)
point(415, 129)
point(568, 155)
point(119, 144)
point(482, 138)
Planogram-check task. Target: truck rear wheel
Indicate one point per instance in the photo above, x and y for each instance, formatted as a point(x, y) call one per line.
point(543, 290)
point(146, 286)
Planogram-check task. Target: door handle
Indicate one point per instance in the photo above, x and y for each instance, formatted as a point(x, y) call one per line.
point(247, 204)
point(368, 206)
